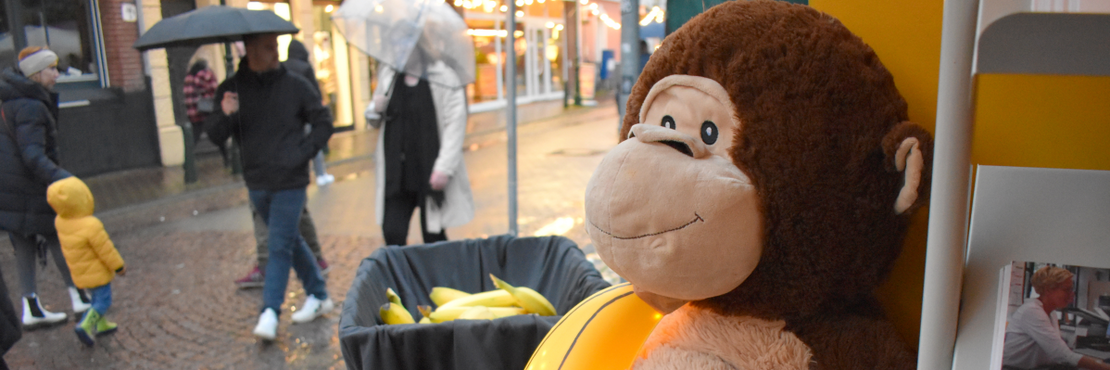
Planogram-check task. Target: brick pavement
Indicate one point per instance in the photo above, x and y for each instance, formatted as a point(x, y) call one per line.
point(178, 309)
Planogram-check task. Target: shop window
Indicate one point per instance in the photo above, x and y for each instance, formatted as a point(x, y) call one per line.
point(65, 26)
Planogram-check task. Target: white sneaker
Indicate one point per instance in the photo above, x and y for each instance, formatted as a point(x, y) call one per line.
point(312, 309)
point(34, 314)
point(80, 300)
point(324, 179)
point(267, 325)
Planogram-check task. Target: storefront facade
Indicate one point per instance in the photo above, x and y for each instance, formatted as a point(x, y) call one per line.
point(106, 116)
point(122, 108)
point(541, 67)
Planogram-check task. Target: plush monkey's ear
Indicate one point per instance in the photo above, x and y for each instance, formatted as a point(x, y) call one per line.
point(909, 151)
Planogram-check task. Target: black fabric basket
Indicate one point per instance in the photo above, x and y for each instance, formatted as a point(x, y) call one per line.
point(553, 266)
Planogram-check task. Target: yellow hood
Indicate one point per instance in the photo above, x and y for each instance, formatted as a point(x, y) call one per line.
point(70, 198)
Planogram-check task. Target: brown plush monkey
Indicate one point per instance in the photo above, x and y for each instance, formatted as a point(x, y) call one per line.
point(762, 193)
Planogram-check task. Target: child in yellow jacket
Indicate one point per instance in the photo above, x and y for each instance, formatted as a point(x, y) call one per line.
point(93, 259)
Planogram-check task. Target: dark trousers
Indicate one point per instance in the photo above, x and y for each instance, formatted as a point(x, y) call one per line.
point(25, 252)
point(398, 214)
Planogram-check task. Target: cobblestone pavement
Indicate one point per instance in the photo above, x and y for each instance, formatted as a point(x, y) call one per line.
point(178, 308)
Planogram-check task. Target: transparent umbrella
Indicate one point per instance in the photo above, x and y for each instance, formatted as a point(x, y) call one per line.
point(409, 35)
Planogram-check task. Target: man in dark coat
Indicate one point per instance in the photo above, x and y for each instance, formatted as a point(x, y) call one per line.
point(266, 108)
point(28, 164)
point(297, 64)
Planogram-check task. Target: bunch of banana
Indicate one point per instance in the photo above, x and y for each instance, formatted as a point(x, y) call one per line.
point(454, 304)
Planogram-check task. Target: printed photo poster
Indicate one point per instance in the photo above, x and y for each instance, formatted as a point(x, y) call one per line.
point(1050, 316)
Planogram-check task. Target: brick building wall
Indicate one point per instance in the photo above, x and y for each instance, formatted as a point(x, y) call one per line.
point(125, 64)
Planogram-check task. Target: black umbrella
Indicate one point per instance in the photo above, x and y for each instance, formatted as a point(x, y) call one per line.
point(210, 25)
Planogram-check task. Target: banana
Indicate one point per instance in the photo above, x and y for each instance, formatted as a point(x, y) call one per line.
point(424, 320)
point(451, 313)
point(526, 297)
point(395, 314)
point(442, 295)
point(493, 298)
point(392, 296)
point(476, 313)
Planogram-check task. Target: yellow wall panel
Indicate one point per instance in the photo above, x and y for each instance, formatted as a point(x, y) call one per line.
point(906, 36)
point(1042, 121)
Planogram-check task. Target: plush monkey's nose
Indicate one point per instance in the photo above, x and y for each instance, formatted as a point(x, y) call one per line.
point(681, 142)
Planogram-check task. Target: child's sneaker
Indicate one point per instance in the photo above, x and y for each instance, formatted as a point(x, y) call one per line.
point(80, 300)
point(267, 325)
point(34, 315)
point(86, 329)
point(312, 309)
point(255, 279)
point(105, 327)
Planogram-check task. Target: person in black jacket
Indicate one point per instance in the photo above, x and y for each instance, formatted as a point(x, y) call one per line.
point(28, 164)
point(265, 108)
point(297, 63)
point(9, 324)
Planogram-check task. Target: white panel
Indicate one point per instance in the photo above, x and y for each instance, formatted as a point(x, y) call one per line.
point(1026, 214)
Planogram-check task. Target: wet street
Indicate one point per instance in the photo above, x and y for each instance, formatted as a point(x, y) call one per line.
point(178, 307)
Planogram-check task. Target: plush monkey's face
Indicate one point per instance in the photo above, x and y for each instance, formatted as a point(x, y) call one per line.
point(667, 209)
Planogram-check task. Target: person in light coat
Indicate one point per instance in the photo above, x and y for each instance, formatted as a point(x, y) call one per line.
point(449, 202)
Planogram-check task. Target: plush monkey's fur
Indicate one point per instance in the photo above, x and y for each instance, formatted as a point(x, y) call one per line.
point(820, 122)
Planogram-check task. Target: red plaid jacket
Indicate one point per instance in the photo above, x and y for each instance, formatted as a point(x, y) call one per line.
point(197, 86)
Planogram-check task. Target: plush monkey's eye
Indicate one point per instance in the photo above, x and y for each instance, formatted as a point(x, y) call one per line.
point(668, 122)
point(709, 132)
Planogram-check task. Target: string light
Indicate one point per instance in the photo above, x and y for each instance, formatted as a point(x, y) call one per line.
point(487, 33)
point(609, 22)
point(504, 8)
point(655, 14)
point(549, 25)
point(520, 14)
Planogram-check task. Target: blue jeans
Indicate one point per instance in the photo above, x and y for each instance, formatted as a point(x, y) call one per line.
point(318, 165)
point(101, 298)
point(281, 211)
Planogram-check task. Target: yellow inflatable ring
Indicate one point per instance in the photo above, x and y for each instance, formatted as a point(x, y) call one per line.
point(604, 331)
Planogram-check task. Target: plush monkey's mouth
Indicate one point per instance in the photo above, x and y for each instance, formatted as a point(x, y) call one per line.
point(697, 218)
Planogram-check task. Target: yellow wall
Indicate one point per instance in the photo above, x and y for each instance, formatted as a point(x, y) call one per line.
point(1042, 121)
point(906, 36)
